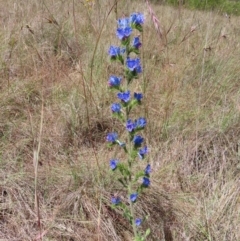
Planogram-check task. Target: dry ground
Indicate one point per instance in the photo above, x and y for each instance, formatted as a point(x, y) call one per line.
point(54, 105)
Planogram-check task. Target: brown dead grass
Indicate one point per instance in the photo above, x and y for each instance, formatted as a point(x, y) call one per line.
point(192, 106)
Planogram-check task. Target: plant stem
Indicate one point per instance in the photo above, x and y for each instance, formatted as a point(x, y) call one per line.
point(132, 210)
point(130, 179)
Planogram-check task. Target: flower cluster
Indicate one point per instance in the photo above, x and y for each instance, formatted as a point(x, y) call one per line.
point(127, 55)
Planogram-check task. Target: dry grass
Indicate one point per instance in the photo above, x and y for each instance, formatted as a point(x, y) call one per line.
point(54, 65)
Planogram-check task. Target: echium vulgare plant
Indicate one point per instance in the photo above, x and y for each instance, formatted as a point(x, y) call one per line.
point(132, 181)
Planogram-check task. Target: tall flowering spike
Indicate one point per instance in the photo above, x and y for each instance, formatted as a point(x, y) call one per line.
point(116, 200)
point(133, 197)
point(131, 67)
point(113, 164)
point(124, 96)
point(146, 182)
point(148, 170)
point(134, 65)
point(112, 137)
point(114, 81)
point(142, 152)
point(116, 108)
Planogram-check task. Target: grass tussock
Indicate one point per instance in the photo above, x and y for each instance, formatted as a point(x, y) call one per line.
point(54, 105)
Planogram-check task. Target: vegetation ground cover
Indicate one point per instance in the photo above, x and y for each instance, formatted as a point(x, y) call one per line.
point(220, 6)
point(54, 104)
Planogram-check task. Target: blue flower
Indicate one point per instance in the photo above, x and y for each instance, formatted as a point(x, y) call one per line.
point(133, 197)
point(113, 164)
point(130, 126)
point(136, 43)
point(116, 108)
point(142, 152)
point(115, 51)
point(136, 19)
point(123, 22)
point(116, 200)
point(112, 137)
point(147, 169)
point(123, 33)
point(114, 81)
point(124, 96)
point(140, 123)
point(138, 96)
point(134, 65)
point(138, 221)
point(146, 182)
point(137, 140)
point(124, 29)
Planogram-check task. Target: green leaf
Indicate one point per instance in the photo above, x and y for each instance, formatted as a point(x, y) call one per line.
point(124, 170)
point(120, 58)
point(126, 42)
point(111, 144)
point(133, 154)
point(148, 231)
point(138, 175)
point(140, 189)
point(127, 215)
point(118, 116)
point(129, 75)
point(113, 58)
point(133, 103)
point(122, 182)
point(139, 238)
point(139, 28)
point(134, 50)
point(125, 149)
